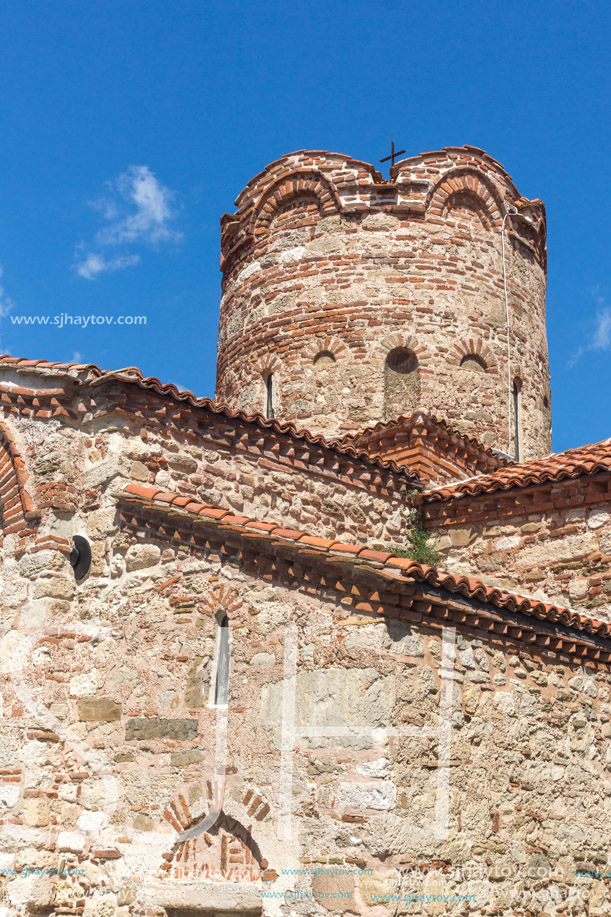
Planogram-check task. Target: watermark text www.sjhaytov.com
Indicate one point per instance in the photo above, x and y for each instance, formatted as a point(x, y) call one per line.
point(80, 321)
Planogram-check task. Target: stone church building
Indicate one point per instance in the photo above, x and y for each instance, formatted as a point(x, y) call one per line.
point(338, 641)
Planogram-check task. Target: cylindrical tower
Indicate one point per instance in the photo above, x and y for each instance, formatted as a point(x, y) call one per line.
point(349, 299)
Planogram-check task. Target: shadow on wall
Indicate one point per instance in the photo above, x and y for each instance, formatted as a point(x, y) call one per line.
point(401, 382)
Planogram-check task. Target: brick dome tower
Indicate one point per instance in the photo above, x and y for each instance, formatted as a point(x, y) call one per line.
point(349, 299)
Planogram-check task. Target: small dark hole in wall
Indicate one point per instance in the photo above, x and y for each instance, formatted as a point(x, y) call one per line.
point(473, 361)
point(324, 358)
point(80, 556)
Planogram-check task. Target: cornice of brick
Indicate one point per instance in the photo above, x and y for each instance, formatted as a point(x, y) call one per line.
point(366, 581)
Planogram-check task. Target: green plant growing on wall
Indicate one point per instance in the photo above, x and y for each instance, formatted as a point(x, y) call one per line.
point(420, 548)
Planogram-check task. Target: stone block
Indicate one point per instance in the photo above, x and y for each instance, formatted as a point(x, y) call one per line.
point(98, 709)
point(54, 587)
point(333, 891)
point(262, 660)
point(35, 812)
point(153, 727)
point(9, 795)
point(84, 683)
point(140, 556)
point(382, 796)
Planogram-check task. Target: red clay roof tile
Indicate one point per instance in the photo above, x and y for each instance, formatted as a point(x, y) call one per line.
point(262, 526)
point(139, 491)
point(203, 510)
point(405, 569)
point(91, 374)
point(559, 466)
point(287, 533)
point(315, 541)
point(182, 501)
point(341, 548)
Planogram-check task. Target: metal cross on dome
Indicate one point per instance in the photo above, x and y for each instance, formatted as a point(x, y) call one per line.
point(393, 155)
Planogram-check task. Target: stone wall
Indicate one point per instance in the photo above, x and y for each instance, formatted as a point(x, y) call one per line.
point(364, 298)
point(232, 462)
point(552, 541)
point(124, 671)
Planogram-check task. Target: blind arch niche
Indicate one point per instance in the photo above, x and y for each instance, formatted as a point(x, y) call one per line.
point(401, 382)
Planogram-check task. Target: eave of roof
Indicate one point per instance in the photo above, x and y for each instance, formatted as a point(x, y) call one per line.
point(572, 464)
point(399, 570)
point(89, 374)
point(407, 422)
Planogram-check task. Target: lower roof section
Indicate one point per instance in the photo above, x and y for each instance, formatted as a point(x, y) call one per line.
point(368, 580)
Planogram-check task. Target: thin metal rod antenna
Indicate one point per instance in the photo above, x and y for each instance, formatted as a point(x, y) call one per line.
point(509, 213)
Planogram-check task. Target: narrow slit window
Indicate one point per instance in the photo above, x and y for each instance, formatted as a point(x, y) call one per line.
point(516, 418)
point(269, 393)
point(223, 659)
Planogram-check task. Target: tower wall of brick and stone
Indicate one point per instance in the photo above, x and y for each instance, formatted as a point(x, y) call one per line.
point(364, 298)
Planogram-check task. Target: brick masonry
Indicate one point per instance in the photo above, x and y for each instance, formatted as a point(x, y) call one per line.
point(111, 749)
point(328, 269)
point(552, 540)
point(125, 661)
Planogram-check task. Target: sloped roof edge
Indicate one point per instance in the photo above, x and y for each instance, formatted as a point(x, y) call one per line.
point(422, 414)
point(558, 466)
point(401, 569)
point(92, 374)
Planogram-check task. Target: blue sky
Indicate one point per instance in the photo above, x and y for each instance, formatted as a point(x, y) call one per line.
point(129, 127)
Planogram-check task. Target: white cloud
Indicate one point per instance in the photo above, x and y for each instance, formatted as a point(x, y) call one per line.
point(94, 264)
point(600, 337)
point(137, 210)
point(6, 303)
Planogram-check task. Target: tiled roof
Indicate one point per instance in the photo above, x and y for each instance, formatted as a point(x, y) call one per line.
point(397, 569)
point(383, 425)
point(91, 374)
point(393, 438)
point(574, 463)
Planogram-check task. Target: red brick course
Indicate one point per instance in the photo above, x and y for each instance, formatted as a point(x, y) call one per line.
point(323, 255)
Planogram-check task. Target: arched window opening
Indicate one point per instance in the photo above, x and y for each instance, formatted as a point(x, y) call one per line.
point(474, 362)
point(517, 399)
point(401, 382)
point(546, 402)
point(323, 358)
point(269, 395)
point(223, 661)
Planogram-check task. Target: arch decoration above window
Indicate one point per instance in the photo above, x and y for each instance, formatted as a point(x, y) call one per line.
point(324, 351)
point(474, 354)
point(16, 504)
point(294, 187)
point(466, 189)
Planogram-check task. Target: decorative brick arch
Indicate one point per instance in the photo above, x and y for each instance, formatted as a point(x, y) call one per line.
point(407, 341)
point(473, 347)
point(266, 364)
point(234, 842)
point(16, 504)
point(331, 345)
point(223, 597)
point(295, 186)
point(468, 183)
